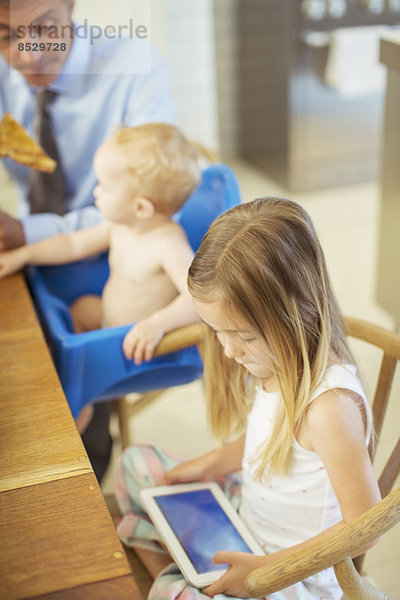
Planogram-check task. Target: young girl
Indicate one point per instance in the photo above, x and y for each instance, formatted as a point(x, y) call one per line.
point(259, 281)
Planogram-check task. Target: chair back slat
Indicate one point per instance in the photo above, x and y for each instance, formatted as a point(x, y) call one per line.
point(381, 397)
point(390, 472)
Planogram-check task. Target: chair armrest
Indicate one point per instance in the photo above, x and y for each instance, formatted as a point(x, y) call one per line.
point(326, 551)
point(192, 335)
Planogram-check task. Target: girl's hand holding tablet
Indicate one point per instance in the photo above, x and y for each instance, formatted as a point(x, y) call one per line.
point(232, 582)
point(197, 522)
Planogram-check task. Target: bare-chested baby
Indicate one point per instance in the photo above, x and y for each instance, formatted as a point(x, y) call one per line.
point(145, 174)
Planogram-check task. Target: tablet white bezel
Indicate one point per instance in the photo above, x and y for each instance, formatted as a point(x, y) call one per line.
point(172, 542)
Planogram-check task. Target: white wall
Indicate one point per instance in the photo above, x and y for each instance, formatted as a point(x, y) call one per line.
point(191, 57)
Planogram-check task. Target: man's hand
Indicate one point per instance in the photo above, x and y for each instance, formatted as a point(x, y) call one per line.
point(11, 232)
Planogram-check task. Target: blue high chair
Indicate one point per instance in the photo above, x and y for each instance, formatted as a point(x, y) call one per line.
point(91, 365)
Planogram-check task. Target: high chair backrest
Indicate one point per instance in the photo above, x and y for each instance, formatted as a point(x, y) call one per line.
point(219, 184)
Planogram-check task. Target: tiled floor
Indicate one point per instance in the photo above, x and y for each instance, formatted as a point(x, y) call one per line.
point(346, 221)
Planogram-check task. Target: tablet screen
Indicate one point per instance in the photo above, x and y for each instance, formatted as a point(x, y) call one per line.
point(201, 526)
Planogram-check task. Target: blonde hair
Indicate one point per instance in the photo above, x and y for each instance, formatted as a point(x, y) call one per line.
point(162, 161)
point(263, 261)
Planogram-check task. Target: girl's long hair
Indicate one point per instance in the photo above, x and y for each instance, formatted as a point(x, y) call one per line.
point(264, 262)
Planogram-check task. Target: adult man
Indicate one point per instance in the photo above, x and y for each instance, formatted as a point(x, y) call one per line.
point(91, 86)
point(99, 84)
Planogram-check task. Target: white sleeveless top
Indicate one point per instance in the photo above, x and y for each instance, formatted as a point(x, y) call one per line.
point(287, 510)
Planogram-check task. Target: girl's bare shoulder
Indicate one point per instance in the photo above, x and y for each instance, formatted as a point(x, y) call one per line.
point(338, 412)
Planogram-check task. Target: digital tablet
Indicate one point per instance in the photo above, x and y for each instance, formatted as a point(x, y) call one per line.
point(195, 521)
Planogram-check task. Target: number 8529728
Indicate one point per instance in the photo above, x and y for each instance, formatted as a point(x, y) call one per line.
point(42, 46)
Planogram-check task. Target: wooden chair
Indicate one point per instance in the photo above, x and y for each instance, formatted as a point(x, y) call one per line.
point(337, 549)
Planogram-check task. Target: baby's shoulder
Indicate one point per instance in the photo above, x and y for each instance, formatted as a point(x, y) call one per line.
point(171, 233)
point(173, 228)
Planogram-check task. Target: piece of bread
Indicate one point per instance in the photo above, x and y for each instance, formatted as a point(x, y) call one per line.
point(17, 144)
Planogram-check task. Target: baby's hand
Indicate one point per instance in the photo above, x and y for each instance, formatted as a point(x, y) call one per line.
point(141, 340)
point(11, 262)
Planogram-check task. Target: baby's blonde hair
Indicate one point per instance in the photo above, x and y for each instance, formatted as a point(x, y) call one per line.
point(162, 161)
point(264, 262)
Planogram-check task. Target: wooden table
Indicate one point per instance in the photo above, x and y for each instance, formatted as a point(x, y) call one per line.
point(57, 539)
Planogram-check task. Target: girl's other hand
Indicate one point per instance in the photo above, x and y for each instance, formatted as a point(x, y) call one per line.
point(217, 463)
point(232, 582)
point(197, 469)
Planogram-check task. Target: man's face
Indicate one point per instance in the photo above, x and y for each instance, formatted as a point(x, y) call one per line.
point(36, 37)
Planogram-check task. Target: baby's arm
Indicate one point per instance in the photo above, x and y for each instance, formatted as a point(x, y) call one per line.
point(335, 428)
point(140, 342)
point(57, 250)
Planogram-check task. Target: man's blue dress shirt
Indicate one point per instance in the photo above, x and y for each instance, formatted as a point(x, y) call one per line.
point(99, 89)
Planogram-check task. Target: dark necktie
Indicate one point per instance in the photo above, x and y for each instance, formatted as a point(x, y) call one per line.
point(46, 190)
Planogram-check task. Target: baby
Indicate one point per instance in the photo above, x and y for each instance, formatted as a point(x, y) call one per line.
point(145, 174)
